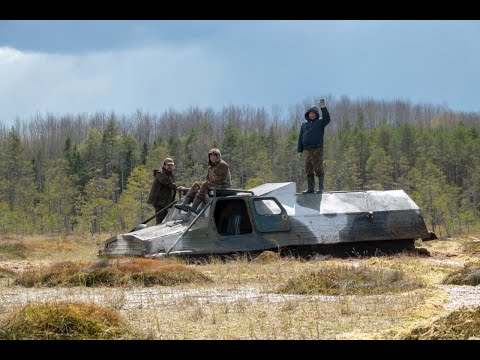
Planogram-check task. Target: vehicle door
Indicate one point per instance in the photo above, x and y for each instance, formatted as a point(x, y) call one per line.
point(269, 215)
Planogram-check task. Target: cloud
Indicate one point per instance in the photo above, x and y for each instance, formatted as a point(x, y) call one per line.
point(151, 79)
point(155, 66)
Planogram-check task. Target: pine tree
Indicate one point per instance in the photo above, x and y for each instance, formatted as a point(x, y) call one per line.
point(54, 211)
point(133, 201)
point(110, 141)
point(232, 152)
point(143, 158)
point(378, 170)
point(11, 166)
point(98, 210)
point(91, 154)
point(19, 193)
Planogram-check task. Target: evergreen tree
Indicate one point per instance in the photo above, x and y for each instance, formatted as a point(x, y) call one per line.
point(143, 158)
point(91, 154)
point(437, 199)
point(11, 166)
point(378, 170)
point(129, 158)
point(98, 210)
point(19, 193)
point(39, 169)
point(233, 153)
point(133, 201)
point(54, 211)
point(110, 141)
point(426, 150)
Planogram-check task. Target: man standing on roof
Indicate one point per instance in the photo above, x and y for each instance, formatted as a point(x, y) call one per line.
point(310, 141)
point(163, 189)
point(218, 177)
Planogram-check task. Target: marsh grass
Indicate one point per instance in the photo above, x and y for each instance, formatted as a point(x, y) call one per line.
point(116, 272)
point(460, 324)
point(471, 247)
point(6, 273)
point(468, 275)
point(48, 248)
point(267, 257)
point(64, 321)
point(13, 251)
point(241, 300)
point(350, 280)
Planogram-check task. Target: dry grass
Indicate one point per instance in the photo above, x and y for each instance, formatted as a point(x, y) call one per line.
point(117, 272)
point(241, 300)
point(461, 324)
point(471, 247)
point(351, 280)
point(52, 248)
point(468, 275)
point(269, 317)
point(13, 251)
point(63, 321)
point(267, 257)
point(6, 273)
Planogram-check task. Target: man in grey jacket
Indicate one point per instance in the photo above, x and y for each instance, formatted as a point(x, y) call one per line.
point(310, 142)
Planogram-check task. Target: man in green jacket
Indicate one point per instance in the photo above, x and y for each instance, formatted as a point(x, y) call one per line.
point(163, 189)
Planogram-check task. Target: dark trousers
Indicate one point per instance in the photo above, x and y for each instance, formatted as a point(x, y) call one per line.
point(161, 215)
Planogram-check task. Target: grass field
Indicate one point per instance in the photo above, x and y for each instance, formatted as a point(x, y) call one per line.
point(384, 297)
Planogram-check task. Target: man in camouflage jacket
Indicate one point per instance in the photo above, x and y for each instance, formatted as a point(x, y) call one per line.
point(218, 176)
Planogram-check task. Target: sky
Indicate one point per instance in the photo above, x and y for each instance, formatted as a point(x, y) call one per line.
point(88, 66)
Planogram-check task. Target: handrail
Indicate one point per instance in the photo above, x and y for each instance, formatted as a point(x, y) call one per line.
point(189, 226)
point(154, 215)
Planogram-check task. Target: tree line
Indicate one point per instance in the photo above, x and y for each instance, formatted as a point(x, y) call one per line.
point(92, 173)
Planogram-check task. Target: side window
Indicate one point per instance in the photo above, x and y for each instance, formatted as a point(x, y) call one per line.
point(266, 207)
point(231, 217)
point(269, 215)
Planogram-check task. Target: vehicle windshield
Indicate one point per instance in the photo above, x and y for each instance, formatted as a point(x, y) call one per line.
point(175, 214)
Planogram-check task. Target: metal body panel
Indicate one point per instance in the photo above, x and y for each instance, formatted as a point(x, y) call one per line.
point(236, 223)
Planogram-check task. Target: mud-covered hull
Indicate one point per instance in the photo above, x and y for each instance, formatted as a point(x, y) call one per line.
point(276, 218)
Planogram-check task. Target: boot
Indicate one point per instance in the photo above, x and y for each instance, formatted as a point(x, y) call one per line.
point(320, 184)
point(184, 206)
point(311, 185)
point(195, 204)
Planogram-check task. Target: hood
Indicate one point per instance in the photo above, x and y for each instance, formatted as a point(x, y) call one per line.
point(215, 151)
point(315, 110)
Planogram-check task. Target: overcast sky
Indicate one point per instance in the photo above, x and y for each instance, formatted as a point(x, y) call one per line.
point(88, 66)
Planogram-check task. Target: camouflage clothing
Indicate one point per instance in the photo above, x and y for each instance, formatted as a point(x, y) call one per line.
point(199, 188)
point(314, 161)
point(310, 140)
point(218, 176)
point(162, 192)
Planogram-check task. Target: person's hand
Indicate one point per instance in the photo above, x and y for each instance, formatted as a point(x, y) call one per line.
point(300, 155)
point(322, 103)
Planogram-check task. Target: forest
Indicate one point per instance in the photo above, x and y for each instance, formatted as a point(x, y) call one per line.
point(91, 173)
